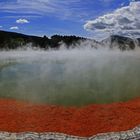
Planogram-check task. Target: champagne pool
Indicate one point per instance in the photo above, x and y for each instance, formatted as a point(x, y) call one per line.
point(70, 77)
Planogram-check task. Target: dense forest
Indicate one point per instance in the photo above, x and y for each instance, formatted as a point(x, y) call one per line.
point(11, 40)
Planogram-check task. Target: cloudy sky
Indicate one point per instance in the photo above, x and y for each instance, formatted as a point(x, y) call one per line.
point(89, 18)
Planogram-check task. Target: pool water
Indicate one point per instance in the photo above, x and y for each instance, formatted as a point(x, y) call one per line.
point(74, 77)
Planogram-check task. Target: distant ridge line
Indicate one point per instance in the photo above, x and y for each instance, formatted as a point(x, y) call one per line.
point(12, 40)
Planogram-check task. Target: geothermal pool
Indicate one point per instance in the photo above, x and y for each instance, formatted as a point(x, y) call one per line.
point(70, 77)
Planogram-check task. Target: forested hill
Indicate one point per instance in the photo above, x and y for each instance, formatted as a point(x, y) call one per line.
point(11, 40)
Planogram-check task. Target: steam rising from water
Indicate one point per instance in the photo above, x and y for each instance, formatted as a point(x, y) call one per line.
point(70, 77)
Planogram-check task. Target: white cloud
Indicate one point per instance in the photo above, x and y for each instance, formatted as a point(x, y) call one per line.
point(40, 7)
point(14, 28)
point(22, 21)
point(65, 9)
point(1, 26)
point(122, 21)
point(106, 0)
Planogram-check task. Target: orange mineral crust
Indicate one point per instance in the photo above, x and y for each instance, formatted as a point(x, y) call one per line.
point(18, 116)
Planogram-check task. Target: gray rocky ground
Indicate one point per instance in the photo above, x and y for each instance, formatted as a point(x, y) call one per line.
point(133, 134)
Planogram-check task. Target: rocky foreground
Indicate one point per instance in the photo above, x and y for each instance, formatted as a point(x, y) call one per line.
point(133, 134)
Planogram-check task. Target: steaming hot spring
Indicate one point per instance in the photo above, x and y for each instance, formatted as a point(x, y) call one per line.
point(70, 77)
point(79, 91)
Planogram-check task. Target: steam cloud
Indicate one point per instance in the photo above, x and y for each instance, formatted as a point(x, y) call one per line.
point(70, 77)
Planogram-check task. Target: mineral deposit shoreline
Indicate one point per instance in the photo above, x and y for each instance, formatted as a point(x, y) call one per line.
point(133, 134)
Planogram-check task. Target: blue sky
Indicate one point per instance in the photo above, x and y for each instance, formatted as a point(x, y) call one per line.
point(48, 17)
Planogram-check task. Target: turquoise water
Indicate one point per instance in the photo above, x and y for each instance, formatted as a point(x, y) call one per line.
point(77, 77)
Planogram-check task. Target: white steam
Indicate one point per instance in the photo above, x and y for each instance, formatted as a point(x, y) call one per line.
point(70, 77)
